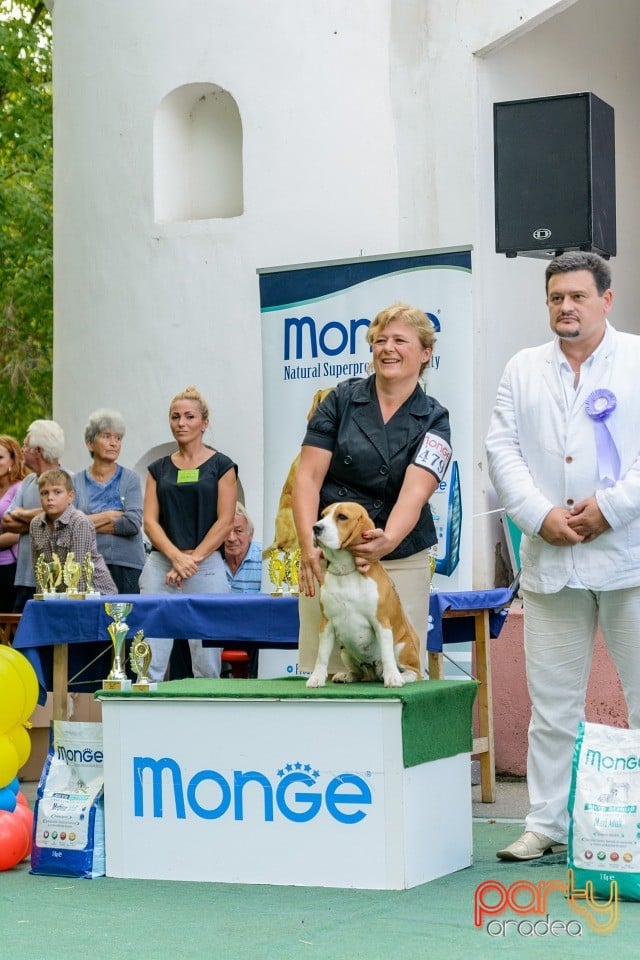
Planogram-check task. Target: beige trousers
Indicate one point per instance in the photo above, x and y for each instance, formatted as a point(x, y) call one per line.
point(411, 577)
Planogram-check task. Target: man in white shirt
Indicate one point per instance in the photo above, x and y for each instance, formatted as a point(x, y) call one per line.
point(564, 456)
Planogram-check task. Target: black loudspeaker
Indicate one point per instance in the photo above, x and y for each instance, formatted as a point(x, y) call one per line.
point(554, 168)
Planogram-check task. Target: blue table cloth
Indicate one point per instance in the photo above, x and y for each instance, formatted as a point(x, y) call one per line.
point(251, 619)
point(443, 631)
point(254, 619)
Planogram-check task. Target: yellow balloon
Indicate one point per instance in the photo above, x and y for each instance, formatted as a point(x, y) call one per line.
point(28, 676)
point(21, 740)
point(12, 701)
point(9, 764)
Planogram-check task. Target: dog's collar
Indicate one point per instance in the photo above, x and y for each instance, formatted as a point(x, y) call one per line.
point(334, 569)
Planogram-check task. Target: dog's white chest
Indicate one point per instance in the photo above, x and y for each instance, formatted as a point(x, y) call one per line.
point(350, 603)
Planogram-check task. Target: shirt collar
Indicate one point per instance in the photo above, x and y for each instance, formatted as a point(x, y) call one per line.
point(365, 392)
point(64, 518)
point(603, 347)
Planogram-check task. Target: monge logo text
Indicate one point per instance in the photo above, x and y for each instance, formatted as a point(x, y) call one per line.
point(307, 342)
point(161, 787)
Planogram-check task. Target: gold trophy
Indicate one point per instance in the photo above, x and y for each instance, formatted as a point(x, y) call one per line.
point(52, 574)
point(292, 561)
point(277, 572)
point(71, 573)
point(432, 568)
point(88, 569)
point(41, 573)
point(117, 679)
point(140, 658)
point(55, 574)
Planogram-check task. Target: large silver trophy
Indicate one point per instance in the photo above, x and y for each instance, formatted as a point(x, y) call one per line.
point(118, 630)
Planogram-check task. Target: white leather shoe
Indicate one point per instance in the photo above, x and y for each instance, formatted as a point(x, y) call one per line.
point(531, 846)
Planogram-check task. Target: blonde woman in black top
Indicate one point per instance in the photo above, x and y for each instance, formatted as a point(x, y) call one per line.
point(189, 508)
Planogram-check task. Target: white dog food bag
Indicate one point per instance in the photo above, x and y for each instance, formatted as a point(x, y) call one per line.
point(604, 809)
point(68, 825)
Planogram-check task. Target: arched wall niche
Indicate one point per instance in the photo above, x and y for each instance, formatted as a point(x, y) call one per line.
point(197, 146)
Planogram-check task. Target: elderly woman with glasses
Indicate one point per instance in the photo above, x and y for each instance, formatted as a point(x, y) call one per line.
point(111, 496)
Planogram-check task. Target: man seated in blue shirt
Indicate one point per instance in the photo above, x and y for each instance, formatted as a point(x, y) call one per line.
point(243, 565)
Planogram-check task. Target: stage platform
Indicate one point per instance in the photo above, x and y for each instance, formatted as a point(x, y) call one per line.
point(252, 781)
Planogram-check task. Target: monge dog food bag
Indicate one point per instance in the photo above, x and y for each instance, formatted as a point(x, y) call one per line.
point(68, 826)
point(604, 809)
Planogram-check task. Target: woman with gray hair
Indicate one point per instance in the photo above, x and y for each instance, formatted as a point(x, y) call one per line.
point(111, 496)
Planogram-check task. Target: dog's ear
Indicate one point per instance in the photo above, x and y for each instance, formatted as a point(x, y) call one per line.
point(361, 522)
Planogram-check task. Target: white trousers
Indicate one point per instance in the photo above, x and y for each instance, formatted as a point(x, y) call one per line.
point(559, 630)
point(210, 578)
point(411, 577)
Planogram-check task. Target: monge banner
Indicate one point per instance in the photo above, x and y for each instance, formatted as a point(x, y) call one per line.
point(314, 323)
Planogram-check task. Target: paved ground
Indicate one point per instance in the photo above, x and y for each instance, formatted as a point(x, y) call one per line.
point(512, 802)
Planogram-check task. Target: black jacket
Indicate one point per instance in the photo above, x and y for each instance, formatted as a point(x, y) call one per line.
point(370, 458)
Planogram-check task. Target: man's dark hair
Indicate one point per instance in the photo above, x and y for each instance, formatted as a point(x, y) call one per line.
point(581, 260)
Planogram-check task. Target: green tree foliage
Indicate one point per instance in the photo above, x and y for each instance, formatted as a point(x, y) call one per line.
point(26, 218)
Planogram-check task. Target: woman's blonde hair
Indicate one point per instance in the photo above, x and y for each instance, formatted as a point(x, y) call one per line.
point(18, 469)
point(412, 316)
point(191, 393)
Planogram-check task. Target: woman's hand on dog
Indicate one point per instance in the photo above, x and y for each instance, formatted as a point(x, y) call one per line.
point(310, 571)
point(373, 546)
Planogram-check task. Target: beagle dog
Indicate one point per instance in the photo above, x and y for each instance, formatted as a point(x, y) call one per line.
point(360, 611)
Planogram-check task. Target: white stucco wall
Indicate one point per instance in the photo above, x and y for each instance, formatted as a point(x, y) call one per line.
point(143, 309)
point(366, 129)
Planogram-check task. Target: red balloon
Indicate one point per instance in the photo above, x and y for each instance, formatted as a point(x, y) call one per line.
point(21, 799)
point(14, 840)
point(26, 815)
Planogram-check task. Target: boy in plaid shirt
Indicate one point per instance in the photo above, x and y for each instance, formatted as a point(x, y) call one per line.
point(62, 529)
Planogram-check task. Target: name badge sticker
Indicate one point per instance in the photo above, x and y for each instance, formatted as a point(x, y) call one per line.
point(188, 476)
point(434, 455)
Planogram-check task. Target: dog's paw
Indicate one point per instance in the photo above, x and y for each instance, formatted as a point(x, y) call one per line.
point(344, 677)
point(394, 680)
point(410, 676)
point(317, 680)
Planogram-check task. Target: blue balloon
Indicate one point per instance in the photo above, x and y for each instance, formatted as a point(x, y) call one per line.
point(14, 785)
point(8, 800)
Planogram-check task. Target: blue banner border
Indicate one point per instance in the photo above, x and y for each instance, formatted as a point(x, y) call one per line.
point(283, 287)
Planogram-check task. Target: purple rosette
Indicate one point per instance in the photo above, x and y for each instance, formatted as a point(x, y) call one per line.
point(600, 405)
